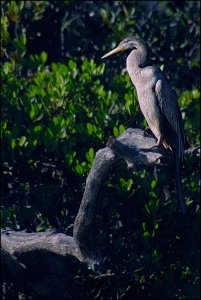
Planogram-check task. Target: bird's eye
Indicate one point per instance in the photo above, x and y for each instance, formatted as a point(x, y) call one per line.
point(131, 45)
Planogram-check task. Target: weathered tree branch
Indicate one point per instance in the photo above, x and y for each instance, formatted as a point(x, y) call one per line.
point(18, 243)
point(21, 249)
point(132, 146)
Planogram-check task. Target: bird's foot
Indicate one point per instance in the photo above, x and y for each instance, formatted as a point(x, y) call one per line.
point(162, 141)
point(167, 146)
point(159, 143)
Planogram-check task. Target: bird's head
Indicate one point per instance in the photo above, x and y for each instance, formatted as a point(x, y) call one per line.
point(128, 43)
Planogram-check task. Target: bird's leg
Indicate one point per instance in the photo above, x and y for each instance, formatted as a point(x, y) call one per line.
point(166, 145)
point(159, 142)
point(162, 141)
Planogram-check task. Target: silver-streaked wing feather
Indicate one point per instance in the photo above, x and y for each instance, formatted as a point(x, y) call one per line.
point(170, 110)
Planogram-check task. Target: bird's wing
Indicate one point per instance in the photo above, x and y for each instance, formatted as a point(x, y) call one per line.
point(170, 110)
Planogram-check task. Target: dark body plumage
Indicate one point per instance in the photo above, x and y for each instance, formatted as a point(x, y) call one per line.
point(157, 102)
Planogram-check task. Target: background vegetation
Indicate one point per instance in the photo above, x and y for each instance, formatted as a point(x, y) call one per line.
point(60, 103)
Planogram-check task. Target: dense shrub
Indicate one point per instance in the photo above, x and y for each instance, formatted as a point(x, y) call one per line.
point(60, 103)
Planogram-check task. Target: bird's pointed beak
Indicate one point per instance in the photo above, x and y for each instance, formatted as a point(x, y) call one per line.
point(116, 50)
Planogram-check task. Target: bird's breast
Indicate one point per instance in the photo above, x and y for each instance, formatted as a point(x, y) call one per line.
point(148, 105)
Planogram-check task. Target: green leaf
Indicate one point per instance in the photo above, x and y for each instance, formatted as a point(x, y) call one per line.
point(37, 128)
point(129, 184)
point(7, 67)
point(35, 142)
point(91, 153)
point(146, 234)
point(13, 144)
point(72, 65)
point(144, 226)
point(79, 169)
point(153, 184)
point(121, 129)
point(24, 40)
point(147, 208)
point(22, 141)
point(156, 226)
point(32, 112)
point(69, 157)
point(43, 57)
point(115, 131)
point(50, 133)
point(155, 255)
point(89, 128)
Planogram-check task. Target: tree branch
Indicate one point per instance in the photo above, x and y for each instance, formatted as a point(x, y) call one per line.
point(133, 146)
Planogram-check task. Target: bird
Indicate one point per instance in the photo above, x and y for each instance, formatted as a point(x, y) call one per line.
point(158, 103)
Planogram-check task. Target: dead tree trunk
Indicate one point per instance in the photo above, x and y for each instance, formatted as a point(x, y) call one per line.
point(47, 254)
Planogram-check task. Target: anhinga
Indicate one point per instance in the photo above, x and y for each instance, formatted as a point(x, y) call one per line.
point(157, 102)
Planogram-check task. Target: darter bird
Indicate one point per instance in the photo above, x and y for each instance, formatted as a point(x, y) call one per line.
point(157, 102)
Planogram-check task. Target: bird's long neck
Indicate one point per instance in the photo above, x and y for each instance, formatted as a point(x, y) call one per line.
point(137, 59)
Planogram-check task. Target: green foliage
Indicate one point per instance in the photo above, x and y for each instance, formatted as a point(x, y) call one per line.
point(60, 103)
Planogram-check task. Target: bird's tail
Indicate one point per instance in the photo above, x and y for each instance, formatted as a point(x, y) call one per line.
point(179, 188)
point(178, 180)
